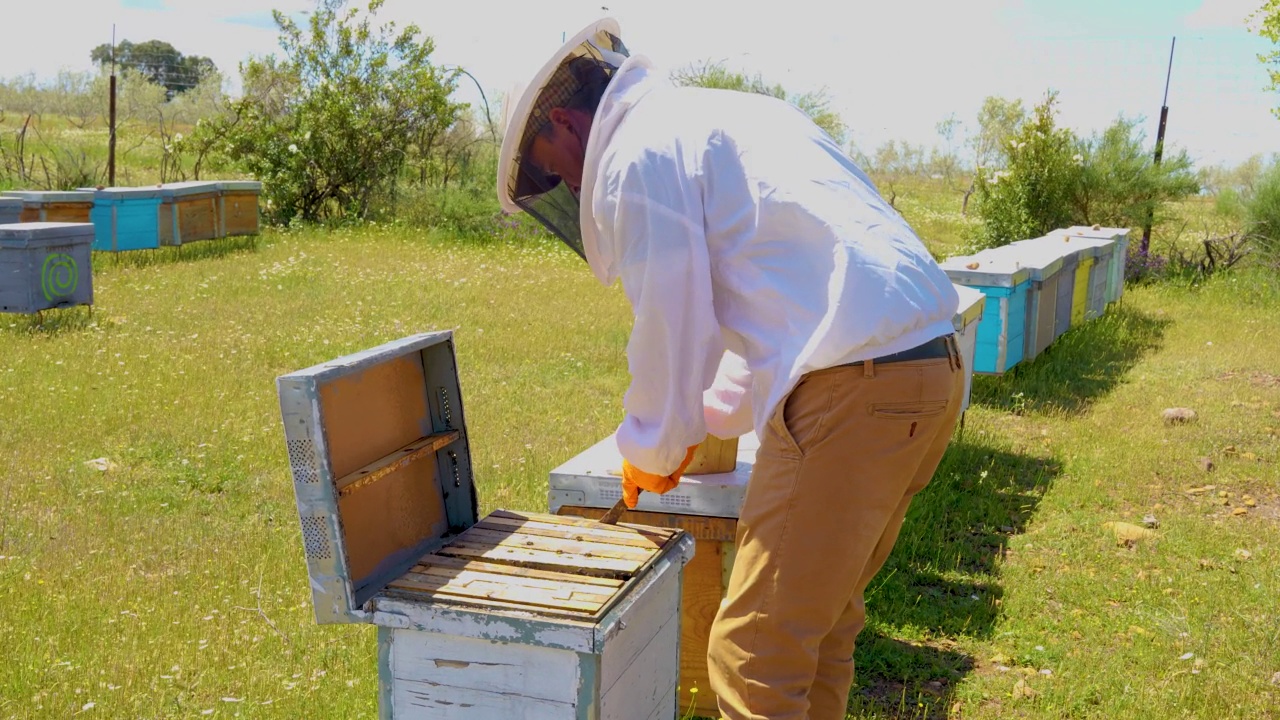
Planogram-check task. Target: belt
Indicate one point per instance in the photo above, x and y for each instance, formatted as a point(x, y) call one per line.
point(939, 347)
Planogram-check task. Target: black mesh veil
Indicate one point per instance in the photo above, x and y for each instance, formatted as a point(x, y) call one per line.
point(577, 83)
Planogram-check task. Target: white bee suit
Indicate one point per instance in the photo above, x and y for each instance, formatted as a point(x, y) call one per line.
point(737, 225)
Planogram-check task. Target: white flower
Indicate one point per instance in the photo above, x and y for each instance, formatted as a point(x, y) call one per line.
point(293, 148)
point(1077, 158)
point(307, 136)
point(177, 137)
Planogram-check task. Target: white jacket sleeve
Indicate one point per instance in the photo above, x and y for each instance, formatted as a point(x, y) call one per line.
point(675, 342)
point(727, 403)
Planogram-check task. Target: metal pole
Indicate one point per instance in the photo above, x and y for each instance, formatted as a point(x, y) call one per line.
point(1164, 119)
point(111, 121)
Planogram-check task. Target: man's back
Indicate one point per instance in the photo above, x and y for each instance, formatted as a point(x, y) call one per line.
point(809, 266)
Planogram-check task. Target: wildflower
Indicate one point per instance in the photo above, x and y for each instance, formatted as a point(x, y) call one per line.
point(293, 148)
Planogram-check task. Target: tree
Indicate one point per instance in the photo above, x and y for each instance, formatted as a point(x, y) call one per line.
point(816, 103)
point(1119, 182)
point(158, 61)
point(1032, 194)
point(998, 120)
point(330, 127)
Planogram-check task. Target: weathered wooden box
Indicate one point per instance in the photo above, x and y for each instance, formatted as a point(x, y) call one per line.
point(704, 506)
point(968, 316)
point(238, 206)
point(1119, 254)
point(53, 206)
point(124, 218)
point(511, 616)
point(10, 210)
point(189, 212)
point(45, 265)
point(1003, 325)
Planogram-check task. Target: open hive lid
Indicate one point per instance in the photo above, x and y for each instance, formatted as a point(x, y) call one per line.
point(50, 196)
point(44, 234)
point(188, 188)
point(240, 185)
point(970, 309)
point(531, 563)
point(593, 479)
point(986, 269)
point(381, 465)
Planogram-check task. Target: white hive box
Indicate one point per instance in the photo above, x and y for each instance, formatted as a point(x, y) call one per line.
point(514, 615)
point(965, 321)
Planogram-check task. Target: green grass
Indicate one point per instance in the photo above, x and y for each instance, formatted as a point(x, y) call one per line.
point(174, 583)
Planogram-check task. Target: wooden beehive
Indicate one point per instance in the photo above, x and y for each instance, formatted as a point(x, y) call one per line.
point(45, 265)
point(1001, 332)
point(1119, 252)
point(968, 316)
point(125, 218)
point(238, 206)
point(1044, 265)
point(714, 455)
point(10, 210)
point(53, 206)
point(189, 212)
point(704, 506)
point(513, 615)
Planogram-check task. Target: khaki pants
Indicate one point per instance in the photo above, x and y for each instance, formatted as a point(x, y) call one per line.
point(837, 467)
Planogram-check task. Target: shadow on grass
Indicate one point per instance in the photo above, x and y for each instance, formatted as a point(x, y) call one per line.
point(1080, 367)
point(56, 321)
point(942, 580)
point(190, 252)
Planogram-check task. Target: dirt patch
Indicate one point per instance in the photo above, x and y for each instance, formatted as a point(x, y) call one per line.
point(1256, 378)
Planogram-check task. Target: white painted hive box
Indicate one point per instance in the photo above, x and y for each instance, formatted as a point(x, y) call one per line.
point(511, 616)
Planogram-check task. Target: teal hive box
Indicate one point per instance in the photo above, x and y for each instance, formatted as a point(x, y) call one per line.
point(10, 210)
point(1001, 332)
point(1119, 254)
point(45, 265)
point(125, 219)
point(189, 212)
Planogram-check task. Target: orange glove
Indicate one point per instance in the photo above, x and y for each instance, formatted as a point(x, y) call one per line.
point(634, 480)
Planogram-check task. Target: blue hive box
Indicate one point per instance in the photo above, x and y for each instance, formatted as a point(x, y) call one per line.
point(1002, 330)
point(45, 265)
point(10, 210)
point(126, 219)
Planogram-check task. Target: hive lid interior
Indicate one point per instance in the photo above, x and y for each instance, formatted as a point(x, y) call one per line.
point(381, 463)
point(532, 562)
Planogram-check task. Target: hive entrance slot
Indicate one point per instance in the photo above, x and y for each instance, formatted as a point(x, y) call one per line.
point(381, 468)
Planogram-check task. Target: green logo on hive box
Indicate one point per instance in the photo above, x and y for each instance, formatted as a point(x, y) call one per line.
point(59, 276)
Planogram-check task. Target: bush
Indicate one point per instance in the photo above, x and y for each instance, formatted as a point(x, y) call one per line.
point(1119, 183)
point(1262, 213)
point(1032, 195)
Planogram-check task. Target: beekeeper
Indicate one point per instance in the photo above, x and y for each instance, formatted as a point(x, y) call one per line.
point(773, 290)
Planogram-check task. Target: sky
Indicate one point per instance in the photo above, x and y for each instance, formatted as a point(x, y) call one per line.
point(893, 70)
